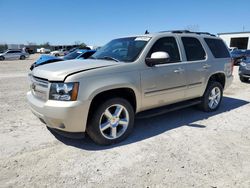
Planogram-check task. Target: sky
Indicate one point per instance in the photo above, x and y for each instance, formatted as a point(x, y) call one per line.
point(95, 22)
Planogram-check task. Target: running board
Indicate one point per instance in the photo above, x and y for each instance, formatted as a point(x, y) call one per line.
point(166, 109)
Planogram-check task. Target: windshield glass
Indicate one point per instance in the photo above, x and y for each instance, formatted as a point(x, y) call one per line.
point(124, 49)
point(72, 55)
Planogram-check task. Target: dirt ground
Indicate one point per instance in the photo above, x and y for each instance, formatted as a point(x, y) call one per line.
point(186, 148)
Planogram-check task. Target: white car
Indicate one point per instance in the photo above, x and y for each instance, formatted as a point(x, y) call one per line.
point(43, 50)
point(60, 52)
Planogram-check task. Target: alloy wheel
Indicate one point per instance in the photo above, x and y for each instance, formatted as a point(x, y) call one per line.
point(114, 121)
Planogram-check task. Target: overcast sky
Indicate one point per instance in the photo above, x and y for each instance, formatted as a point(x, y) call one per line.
point(96, 22)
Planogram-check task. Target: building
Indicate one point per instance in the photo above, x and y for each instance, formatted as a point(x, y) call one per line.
point(236, 39)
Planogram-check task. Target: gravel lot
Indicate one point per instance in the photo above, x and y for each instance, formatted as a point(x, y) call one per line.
point(186, 148)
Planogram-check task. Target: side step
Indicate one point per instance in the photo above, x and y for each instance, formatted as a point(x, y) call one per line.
point(166, 109)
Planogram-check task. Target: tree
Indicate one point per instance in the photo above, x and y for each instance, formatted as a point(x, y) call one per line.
point(80, 44)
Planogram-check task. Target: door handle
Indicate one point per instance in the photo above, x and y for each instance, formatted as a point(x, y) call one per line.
point(206, 66)
point(179, 70)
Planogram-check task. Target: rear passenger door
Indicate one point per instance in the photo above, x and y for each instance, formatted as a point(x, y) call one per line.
point(196, 66)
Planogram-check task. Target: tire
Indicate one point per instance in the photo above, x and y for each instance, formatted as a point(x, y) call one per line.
point(56, 55)
point(213, 92)
point(243, 79)
point(22, 57)
point(112, 130)
point(1, 58)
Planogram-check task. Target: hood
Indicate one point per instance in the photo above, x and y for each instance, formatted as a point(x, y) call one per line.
point(57, 71)
point(47, 58)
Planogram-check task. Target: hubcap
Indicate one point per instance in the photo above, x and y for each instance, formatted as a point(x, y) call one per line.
point(214, 98)
point(114, 121)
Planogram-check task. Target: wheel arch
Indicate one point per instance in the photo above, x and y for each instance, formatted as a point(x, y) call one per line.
point(219, 77)
point(124, 92)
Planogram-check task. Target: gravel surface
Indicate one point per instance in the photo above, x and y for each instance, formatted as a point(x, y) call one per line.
point(185, 148)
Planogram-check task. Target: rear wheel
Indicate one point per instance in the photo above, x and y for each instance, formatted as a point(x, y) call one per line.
point(243, 79)
point(111, 122)
point(56, 55)
point(211, 99)
point(22, 57)
point(1, 58)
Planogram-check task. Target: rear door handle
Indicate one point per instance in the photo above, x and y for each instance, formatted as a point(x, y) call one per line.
point(179, 70)
point(206, 66)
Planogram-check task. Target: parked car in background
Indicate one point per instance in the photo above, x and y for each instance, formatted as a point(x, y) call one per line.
point(57, 53)
point(239, 55)
point(43, 50)
point(77, 54)
point(79, 48)
point(13, 54)
point(244, 70)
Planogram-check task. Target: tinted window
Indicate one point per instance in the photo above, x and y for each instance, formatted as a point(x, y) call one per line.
point(193, 48)
point(218, 48)
point(169, 45)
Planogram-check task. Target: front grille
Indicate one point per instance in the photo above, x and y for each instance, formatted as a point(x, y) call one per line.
point(39, 87)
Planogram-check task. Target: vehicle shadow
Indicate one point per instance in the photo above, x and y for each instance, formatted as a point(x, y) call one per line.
point(150, 127)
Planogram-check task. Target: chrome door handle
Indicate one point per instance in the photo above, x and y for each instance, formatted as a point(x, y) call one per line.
point(206, 66)
point(179, 70)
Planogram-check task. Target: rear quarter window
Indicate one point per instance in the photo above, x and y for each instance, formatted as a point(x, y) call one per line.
point(217, 47)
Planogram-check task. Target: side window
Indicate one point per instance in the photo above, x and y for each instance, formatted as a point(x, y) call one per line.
point(193, 48)
point(217, 47)
point(169, 45)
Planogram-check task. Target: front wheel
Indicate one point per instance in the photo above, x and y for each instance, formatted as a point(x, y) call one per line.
point(111, 122)
point(211, 99)
point(1, 58)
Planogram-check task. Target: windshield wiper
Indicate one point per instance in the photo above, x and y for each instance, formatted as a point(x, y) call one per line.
point(109, 58)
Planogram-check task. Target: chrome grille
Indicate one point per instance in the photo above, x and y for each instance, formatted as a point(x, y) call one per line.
point(39, 87)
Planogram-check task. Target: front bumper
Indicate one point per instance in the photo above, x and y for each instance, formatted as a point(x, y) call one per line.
point(244, 72)
point(68, 116)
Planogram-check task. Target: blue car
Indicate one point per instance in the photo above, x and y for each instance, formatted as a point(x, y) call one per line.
point(77, 54)
point(239, 55)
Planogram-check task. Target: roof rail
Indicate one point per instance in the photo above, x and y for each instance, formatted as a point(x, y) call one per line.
point(187, 31)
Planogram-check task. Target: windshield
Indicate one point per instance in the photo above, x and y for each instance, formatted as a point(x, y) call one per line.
point(72, 55)
point(124, 49)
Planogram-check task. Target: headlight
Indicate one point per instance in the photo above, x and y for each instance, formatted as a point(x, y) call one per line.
point(243, 64)
point(64, 91)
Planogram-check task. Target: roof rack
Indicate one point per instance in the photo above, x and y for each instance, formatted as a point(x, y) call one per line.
point(187, 31)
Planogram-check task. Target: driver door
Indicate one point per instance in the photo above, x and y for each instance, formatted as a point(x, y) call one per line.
point(166, 83)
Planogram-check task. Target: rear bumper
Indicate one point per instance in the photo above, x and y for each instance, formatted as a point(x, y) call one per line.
point(68, 116)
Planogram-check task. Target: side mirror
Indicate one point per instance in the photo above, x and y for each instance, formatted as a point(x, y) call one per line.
point(158, 58)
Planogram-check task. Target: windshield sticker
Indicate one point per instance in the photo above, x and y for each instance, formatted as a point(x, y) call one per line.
point(142, 38)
